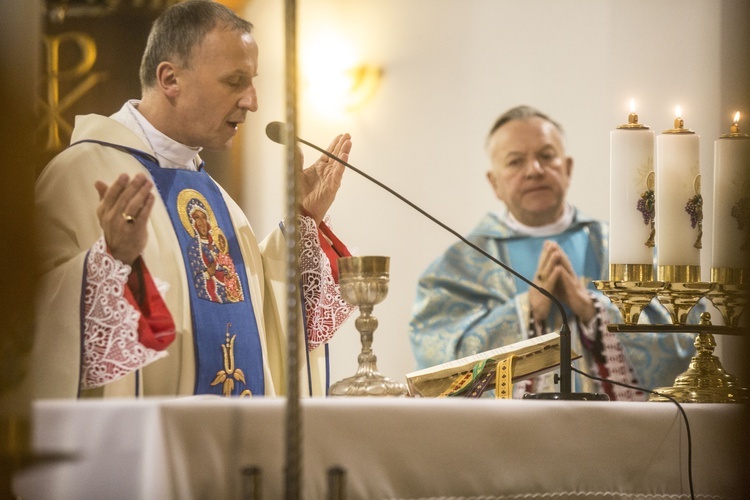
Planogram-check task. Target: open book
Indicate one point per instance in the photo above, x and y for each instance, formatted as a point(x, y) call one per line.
point(531, 358)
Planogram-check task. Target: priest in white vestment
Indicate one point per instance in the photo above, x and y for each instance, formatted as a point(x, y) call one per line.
point(153, 282)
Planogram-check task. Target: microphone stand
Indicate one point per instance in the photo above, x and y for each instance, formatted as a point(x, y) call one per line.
point(565, 376)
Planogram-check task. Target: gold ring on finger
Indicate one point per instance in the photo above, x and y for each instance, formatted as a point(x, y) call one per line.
point(128, 218)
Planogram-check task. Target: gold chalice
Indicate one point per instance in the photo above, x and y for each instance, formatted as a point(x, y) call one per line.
point(364, 283)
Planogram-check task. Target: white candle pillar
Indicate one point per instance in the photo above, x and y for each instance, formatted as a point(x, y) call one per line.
point(731, 227)
point(631, 201)
point(678, 233)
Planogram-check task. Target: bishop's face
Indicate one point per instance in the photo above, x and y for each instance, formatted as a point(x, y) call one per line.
point(529, 170)
point(216, 90)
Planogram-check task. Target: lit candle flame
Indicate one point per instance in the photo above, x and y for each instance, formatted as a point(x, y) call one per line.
point(735, 128)
point(678, 112)
point(632, 117)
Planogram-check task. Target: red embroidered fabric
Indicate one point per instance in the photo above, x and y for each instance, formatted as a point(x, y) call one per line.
point(111, 344)
point(155, 327)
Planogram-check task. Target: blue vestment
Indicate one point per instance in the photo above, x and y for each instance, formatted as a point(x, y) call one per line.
point(466, 304)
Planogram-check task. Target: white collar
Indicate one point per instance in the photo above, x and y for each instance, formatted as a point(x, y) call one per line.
point(557, 227)
point(169, 153)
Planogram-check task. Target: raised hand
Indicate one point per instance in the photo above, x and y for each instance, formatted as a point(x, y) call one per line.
point(321, 181)
point(123, 212)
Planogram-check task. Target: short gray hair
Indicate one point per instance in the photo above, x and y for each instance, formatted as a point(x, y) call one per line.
point(522, 113)
point(180, 28)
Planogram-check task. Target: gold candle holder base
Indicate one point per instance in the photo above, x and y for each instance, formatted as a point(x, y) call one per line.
point(631, 272)
point(364, 283)
point(730, 294)
point(678, 298)
point(678, 274)
point(705, 380)
point(730, 275)
point(730, 300)
point(630, 297)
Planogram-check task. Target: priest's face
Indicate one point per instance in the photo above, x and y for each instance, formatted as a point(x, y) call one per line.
point(529, 170)
point(215, 91)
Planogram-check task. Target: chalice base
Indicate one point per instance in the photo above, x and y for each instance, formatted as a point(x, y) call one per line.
point(368, 384)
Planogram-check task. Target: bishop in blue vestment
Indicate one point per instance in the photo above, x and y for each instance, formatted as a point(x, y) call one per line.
point(467, 304)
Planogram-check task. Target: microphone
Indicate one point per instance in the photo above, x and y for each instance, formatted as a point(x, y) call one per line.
point(277, 132)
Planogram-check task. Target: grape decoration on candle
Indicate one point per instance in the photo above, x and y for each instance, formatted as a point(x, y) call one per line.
point(631, 215)
point(731, 220)
point(679, 204)
point(647, 207)
point(694, 208)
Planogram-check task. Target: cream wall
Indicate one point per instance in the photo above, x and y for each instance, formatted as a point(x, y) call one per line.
point(450, 67)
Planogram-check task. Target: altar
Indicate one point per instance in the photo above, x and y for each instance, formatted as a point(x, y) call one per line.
point(396, 448)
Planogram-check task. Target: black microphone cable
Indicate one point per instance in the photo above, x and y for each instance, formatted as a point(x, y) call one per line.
point(670, 398)
point(276, 132)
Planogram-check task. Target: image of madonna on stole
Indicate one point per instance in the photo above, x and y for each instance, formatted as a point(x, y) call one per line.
point(214, 275)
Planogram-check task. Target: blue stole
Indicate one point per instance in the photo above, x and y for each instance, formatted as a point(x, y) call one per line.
point(228, 354)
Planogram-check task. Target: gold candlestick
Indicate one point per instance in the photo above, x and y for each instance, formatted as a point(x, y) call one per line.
point(705, 380)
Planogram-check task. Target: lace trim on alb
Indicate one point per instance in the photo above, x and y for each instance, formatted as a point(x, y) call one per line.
point(325, 309)
point(111, 348)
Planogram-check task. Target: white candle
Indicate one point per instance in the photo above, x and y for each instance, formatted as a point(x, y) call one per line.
point(731, 227)
point(678, 235)
point(631, 195)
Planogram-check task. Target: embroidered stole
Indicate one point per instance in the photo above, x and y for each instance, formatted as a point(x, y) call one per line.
point(228, 354)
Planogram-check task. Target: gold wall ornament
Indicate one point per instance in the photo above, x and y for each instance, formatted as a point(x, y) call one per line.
point(236, 5)
point(91, 52)
point(53, 106)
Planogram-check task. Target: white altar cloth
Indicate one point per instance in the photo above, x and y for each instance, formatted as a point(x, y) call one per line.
point(399, 448)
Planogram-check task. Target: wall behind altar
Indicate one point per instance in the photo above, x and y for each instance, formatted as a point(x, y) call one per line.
point(450, 67)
